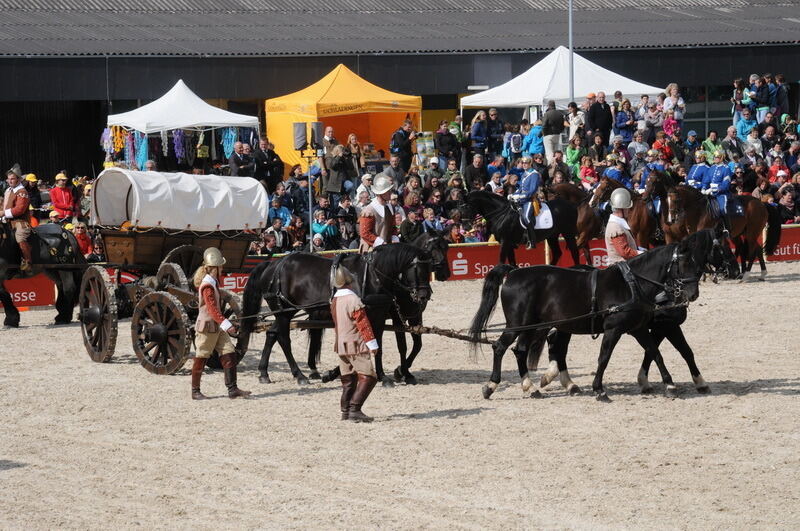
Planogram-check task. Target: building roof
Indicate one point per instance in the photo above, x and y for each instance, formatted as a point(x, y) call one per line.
point(347, 27)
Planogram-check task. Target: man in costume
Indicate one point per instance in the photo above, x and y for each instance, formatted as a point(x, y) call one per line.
point(620, 243)
point(377, 220)
point(16, 210)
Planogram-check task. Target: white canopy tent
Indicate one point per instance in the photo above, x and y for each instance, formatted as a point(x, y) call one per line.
point(549, 80)
point(178, 201)
point(180, 108)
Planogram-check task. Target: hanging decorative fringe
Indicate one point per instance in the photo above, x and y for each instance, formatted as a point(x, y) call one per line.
point(190, 149)
point(130, 150)
point(229, 137)
point(165, 143)
point(120, 137)
point(140, 140)
point(107, 142)
point(177, 140)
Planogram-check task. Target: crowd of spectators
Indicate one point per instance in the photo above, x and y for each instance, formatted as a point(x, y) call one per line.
point(590, 140)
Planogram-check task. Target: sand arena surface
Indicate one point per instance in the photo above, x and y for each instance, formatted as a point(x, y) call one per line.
point(87, 445)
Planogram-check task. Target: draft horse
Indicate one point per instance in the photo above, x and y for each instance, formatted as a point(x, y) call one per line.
point(503, 222)
point(710, 251)
point(685, 211)
point(301, 282)
point(52, 246)
point(613, 301)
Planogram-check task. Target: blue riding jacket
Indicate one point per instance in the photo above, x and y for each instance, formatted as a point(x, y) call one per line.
point(618, 175)
point(696, 175)
point(527, 188)
point(718, 180)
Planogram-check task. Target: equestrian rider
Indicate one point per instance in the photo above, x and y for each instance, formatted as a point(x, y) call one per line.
point(16, 210)
point(616, 171)
point(376, 222)
point(620, 243)
point(355, 344)
point(526, 198)
point(698, 171)
point(212, 329)
point(717, 183)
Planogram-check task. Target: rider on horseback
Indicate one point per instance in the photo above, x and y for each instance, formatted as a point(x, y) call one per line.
point(16, 210)
point(717, 183)
point(527, 200)
point(697, 173)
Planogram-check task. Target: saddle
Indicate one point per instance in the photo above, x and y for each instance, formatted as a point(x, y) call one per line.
point(46, 240)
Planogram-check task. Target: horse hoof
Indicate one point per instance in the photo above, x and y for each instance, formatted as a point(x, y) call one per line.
point(398, 375)
point(602, 397)
point(387, 382)
point(314, 376)
point(60, 322)
point(575, 390)
point(487, 392)
point(647, 390)
point(11, 323)
point(302, 381)
point(671, 391)
point(537, 394)
point(704, 390)
point(264, 379)
point(411, 380)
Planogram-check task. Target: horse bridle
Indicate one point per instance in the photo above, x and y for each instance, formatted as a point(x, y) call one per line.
point(674, 285)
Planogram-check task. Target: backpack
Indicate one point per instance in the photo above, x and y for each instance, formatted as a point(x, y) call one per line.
point(394, 147)
point(515, 143)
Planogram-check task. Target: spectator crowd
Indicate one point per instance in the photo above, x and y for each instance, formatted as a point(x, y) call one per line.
point(597, 138)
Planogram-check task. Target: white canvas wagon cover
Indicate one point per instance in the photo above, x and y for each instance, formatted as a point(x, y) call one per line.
point(178, 201)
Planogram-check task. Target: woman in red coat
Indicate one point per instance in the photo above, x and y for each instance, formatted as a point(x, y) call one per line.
point(84, 240)
point(62, 199)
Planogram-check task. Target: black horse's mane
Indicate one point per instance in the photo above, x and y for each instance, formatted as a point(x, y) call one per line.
point(397, 256)
point(502, 220)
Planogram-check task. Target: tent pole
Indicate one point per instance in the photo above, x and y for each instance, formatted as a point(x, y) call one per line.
point(571, 66)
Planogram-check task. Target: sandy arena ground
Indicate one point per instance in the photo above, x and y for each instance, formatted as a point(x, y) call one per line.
point(85, 445)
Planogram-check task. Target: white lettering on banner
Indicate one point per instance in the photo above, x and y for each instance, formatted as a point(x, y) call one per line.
point(483, 270)
point(23, 296)
point(788, 249)
point(234, 282)
point(459, 266)
point(601, 258)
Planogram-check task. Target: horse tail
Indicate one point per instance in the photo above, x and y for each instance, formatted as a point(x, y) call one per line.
point(491, 290)
point(251, 304)
point(773, 229)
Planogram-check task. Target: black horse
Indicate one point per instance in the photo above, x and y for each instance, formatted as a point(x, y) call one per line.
point(301, 282)
point(614, 301)
point(51, 245)
point(504, 223)
point(710, 249)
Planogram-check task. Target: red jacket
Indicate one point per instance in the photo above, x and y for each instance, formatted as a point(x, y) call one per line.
point(16, 204)
point(63, 202)
point(84, 243)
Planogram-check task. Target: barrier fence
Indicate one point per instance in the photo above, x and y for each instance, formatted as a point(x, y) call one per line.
point(467, 261)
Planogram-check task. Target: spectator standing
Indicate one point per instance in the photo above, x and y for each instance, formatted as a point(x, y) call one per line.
point(337, 165)
point(241, 164)
point(396, 172)
point(400, 145)
point(759, 95)
point(328, 143)
point(446, 143)
point(781, 95)
point(268, 166)
point(534, 142)
point(625, 122)
point(654, 122)
point(674, 102)
point(62, 198)
point(355, 157)
point(599, 116)
point(576, 121)
point(479, 133)
point(552, 127)
point(495, 130)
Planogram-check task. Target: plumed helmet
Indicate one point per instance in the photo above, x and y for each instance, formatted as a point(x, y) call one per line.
point(342, 277)
point(700, 155)
point(212, 257)
point(718, 154)
point(621, 198)
point(653, 153)
point(381, 183)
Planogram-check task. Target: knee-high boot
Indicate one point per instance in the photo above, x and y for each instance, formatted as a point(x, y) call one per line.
point(364, 387)
point(349, 382)
point(25, 251)
point(228, 362)
point(197, 373)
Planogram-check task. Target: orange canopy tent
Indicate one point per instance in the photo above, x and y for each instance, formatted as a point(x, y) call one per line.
point(344, 101)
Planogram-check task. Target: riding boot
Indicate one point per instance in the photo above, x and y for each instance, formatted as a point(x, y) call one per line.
point(349, 382)
point(197, 373)
point(25, 250)
point(365, 385)
point(531, 235)
point(726, 224)
point(228, 362)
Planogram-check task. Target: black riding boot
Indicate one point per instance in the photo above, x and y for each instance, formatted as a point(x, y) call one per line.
point(531, 235)
point(229, 370)
point(726, 224)
point(349, 382)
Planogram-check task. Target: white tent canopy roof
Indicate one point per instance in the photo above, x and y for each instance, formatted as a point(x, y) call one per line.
point(549, 80)
point(180, 108)
point(178, 201)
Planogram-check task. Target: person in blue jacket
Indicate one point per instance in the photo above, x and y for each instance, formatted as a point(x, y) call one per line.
point(533, 142)
point(479, 133)
point(616, 171)
point(526, 192)
point(698, 171)
point(717, 184)
point(625, 121)
point(745, 124)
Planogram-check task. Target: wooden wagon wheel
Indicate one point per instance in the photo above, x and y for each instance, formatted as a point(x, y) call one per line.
point(231, 306)
point(160, 333)
point(98, 314)
point(188, 257)
point(171, 274)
